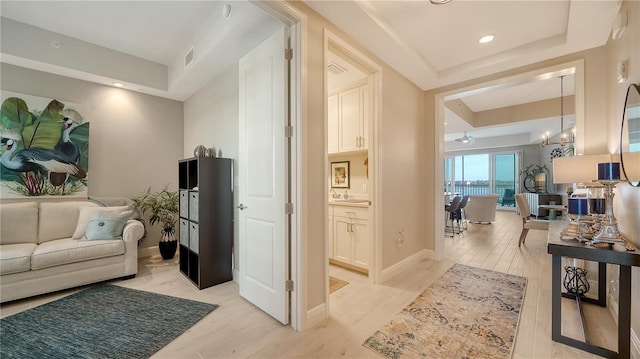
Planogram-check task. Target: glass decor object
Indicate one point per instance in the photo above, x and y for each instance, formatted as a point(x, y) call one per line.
point(578, 207)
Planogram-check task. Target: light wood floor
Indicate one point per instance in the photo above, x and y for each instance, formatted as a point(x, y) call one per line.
point(237, 329)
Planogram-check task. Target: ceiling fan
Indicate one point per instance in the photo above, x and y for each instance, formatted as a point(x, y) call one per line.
point(466, 139)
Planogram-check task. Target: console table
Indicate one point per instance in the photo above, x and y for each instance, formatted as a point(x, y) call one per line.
point(603, 254)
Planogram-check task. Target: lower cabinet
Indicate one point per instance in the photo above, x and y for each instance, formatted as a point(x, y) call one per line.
point(349, 243)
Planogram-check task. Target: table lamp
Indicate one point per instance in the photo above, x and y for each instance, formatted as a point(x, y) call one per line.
point(609, 176)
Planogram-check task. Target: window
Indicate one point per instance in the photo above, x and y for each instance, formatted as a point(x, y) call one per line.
point(483, 173)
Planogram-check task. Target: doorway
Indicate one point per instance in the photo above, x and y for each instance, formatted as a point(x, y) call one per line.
point(575, 67)
point(352, 92)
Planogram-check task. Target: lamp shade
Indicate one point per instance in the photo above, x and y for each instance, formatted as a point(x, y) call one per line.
point(577, 169)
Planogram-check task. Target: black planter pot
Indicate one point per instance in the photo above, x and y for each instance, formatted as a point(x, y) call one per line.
point(168, 249)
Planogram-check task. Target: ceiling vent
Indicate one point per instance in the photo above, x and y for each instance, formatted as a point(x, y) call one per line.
point(336, 69)
point(188, 58)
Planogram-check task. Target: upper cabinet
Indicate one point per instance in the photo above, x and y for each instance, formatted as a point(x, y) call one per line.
point(348, 121)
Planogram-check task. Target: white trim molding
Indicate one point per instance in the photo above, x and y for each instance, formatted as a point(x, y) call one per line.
point(635, 345)
point(406, 263)
point(316, 315)
point(149, 252)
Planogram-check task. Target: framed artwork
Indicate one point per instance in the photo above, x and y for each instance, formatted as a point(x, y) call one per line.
point(340, 174)
point(44, 147)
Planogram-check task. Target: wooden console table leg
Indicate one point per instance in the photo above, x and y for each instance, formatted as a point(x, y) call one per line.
point(602, 284)
point(556, 296)
point(624, 313)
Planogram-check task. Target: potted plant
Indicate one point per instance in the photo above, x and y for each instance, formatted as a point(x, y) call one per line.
point(537, 174)
point(163, 209)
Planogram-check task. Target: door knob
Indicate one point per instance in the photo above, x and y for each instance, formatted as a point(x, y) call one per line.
point(242, 206)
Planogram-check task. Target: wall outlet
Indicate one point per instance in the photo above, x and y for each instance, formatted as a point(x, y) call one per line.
point(400, 238)
point(364, 188)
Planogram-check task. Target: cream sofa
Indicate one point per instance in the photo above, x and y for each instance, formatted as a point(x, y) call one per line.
point(38, 253)
point(481, 208)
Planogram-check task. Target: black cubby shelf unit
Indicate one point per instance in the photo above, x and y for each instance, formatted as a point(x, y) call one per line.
point(206, 220)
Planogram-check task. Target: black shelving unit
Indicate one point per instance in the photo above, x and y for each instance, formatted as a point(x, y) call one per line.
point(206, 220)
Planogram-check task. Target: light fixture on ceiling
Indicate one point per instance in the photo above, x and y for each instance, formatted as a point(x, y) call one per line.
point(439, 2)
point(486, 38)
point(466, 139)
point(564, 138)
point(118, 84)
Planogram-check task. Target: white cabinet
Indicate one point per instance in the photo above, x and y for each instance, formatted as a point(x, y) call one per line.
point(348, 120)
point(350, 238)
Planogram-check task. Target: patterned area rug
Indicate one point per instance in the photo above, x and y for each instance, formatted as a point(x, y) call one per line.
point(335, 284)
point(467, 313)
point(106, 321)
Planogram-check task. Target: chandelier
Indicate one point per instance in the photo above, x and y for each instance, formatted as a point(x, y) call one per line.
point(564, 137)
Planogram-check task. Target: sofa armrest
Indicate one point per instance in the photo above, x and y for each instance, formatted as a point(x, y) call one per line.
point(133, 231)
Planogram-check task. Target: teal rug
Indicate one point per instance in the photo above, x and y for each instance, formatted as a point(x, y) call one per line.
point(106, 321)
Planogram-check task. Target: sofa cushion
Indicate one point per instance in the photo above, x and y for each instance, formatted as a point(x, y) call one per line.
point(19, 223)
point(15, 258)
point(107, 225)
point(59, 219)
point(65, 251)
point(85, 216)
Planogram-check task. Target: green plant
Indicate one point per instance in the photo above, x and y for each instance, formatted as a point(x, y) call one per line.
point(162, 207)
point(530, 172)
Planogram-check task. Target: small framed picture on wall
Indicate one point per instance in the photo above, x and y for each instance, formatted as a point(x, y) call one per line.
point(340, 174)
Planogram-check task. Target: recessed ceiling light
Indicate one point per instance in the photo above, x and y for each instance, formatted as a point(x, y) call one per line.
point(118, 84)
point(439, 2)
point(486, 38)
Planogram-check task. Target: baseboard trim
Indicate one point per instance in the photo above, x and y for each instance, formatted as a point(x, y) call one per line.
point(635, 345)
point(405, 263)
point(316, 315)
point(236, 275)
point(148, 252)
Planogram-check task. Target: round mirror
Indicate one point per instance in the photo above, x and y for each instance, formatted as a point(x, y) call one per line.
point(630, 136)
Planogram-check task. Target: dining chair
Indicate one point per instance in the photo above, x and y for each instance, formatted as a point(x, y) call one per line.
point(527, 222)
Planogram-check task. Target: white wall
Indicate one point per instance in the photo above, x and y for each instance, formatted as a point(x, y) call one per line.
point(403, 166)
point(211, 119)
point(627, 198)
point(135, 140)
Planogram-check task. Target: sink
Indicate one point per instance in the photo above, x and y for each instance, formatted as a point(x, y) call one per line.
point(350, 200)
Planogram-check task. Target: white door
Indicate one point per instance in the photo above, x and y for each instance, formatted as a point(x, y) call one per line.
point(263, 237)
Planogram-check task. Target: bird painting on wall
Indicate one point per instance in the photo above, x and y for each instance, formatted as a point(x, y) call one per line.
point(65, 147)
point(42, 152)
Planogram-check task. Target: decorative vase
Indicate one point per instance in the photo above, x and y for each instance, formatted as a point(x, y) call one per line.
point(541, 183)
point(199, 151)
point(168, 244)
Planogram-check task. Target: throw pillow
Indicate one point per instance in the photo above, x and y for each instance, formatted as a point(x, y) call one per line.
point(87, 212)
point(107, 225)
